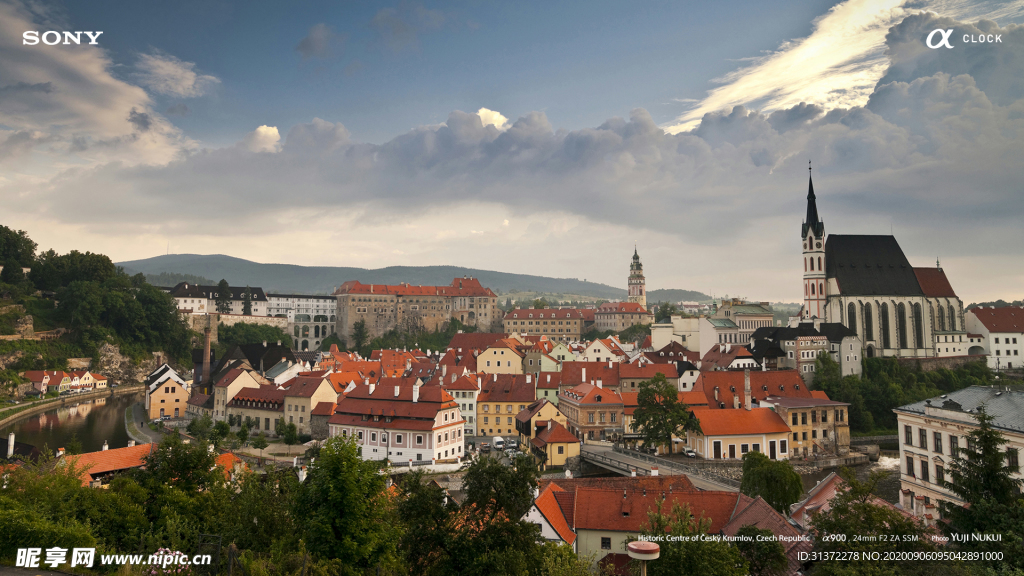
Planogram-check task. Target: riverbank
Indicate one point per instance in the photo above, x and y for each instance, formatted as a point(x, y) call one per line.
point(12, 415)
point(140, 434)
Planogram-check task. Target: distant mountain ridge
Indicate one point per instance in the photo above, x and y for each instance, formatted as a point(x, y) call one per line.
point(291, 278)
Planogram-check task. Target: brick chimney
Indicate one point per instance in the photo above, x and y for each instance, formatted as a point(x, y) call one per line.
point(205, 380)
point(746, 387)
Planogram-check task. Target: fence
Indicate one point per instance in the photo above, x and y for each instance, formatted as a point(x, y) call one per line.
point(689, 469)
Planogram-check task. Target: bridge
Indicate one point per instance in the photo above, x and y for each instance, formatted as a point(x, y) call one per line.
point(624, 461)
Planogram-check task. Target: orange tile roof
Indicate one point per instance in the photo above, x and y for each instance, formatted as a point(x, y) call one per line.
point(621, 308)
point(556, 434)
point(1001, 320)
point(458, 287)
point(819, 394)
point(227, 461)
point(112, 460)
point(732, 422)
point(549, 380)
point(591, 394)
point(786, 383)
point(602, 509)
point(647, 371)
point(547, 503)
point(934, 283)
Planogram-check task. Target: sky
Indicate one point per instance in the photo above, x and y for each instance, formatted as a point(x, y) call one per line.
point(527, 137)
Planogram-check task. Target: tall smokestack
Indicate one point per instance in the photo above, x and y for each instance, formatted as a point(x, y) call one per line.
point(746, 387)
point(205, 381)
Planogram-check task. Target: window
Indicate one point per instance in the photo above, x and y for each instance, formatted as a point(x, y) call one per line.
point(923, 435)
point(954, 446)
point(561, 449)
point(796, 436)
point(938, 442)
point(590, 417)
point(606, 543)
point(824, 416)
point(782, 446)
point(795, 417)
point(908, 436)
point(814, 433)
point(910, 466)
point(804, 437)
point(803, 418)
point(744, 448)
point(419, 439)
point(398, 438)
point(940, 474)
point(360, 434)
point(924, 470)
point(373, 436)
point(1011, 460)
point(757, 447)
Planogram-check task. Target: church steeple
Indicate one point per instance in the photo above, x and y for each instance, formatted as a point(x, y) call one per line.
point(637, 284)
point(812, 222)
point(813, 240)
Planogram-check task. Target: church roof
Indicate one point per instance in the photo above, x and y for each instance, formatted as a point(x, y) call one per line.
point(934, 283)
point(870, 265)
point(812, 220)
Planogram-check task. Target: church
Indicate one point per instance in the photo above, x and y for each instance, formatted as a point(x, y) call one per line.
point(866, 283)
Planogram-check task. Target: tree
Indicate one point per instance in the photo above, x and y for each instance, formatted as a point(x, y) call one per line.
point(494, 488)
point(221, 430)
point(635, 333)
point(245, 333)
point(73, 445)
point(223, 299)
point(242, 435)
point(773, 480)
point(291, 434)
point(359, 334)
point(855, 510)
point(981, 476)
point(540, 304)
point(660, 415)
point(260, 443)
point(12, 273)
point(665, 311)
point(16, 247)
point(247, 302)
point(685, 552)
point(200, 427)
point(345, 510)
point(188, 467)
point(765, 555)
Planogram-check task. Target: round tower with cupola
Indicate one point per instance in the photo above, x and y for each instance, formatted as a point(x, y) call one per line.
point(637, 283)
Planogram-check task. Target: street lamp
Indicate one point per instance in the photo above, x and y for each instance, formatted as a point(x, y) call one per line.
point(643, 551)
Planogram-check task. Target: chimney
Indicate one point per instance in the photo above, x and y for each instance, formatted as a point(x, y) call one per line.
point(10, 446)
point(131, 443)
point(302, 474)
point(728, 347)
point(444, 370)
point(599, 383)
point(716, 393)
point(206, 354)
point(551, 424)
point(583, 374)
point(495, 377)
point(549, 378)
point(209, 447)
point(632, 472)
point(105, 447)
point(746, 387)
point(735, 401)
point(372, 388)
point(415, 393)
point(264, 343)
point(609, 363)
point(654, 470)
point(568, 473)
point(529, 379)
point(396, 391)
point(60, 452)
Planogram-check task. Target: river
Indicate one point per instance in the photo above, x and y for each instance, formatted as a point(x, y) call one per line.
point(888, 488)
point(91, 421)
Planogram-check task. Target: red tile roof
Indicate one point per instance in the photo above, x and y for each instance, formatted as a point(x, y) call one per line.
point(602, 509)
point(383, 401)
point(227, 461)
point(819, 394)
point(934, 283)
point(547, 503)
point(113, 460)
point(574, 373)
point(760, 514)
point(549, 380)
point(462, 383)
point(647, 370)
point(591, 394)
point(621, 308)
point(1001, 320)
point(786, 383)
point(198, 399)
point(229, 377)
point(458, 287)
point(305, 386)
point(556, 434)
point(323, 409)
point(538, 313)
point(466, 342)
point(506, 388)
point(734, 422)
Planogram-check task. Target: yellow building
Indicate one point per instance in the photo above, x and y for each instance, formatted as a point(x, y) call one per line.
point(168, 398)
point(732, 432)
point(535, 416)
point(302, 395)
point(503, 357)
point(227, 387)
point(553, 445)
point(501, 397)
point(555, 323)
point(817, 424)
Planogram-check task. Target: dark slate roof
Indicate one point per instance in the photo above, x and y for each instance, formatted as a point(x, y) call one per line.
point(197, 356)
point(766, 349)
point(812, 220)
point(869, 265)
point(264, 357)
point(834, 331)
point(776, 333)
point(186, 290)
point(1006, 406)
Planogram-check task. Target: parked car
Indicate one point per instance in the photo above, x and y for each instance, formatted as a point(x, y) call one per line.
point(512, 443)
point(689, 453)
point(485, 447)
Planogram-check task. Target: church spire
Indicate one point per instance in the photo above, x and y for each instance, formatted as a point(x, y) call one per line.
point(811, 221)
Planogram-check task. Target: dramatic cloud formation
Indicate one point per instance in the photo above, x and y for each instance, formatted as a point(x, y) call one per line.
point(838, 65)
point(319, 42)
point(934, 151)
point(165, 74)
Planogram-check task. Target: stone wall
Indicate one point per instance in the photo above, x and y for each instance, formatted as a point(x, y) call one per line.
point(318, 428)
point(232, 319)
point(121, 370)
point(947, 362)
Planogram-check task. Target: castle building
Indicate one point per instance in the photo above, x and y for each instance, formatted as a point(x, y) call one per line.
point(867, 284)
point(637, 283)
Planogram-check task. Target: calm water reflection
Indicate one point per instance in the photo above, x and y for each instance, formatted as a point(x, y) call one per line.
point(92, 421)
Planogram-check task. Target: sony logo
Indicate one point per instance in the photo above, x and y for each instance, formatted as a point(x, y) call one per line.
point(53, 37)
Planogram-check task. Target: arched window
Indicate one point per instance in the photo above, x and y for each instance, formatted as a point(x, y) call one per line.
point(805, 264)
point(952, 319)
point(821, 289)
point(883, 315)
point(812, 263)
point(316, 331)
point(942, 319)
point(819, 263)
point(869, 329)
point(805, 289)
point(851, 316)
point(305, 331)
point(918, 327)
point(901, 324)
point(812, 289)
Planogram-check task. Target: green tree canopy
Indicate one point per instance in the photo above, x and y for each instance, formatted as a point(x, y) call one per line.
point(765, 555)
point(685, 552)
point(247, 301)
point(773, 480)
point(16, 247)
point(660, 414)
point(244, 333)
point(223, 299)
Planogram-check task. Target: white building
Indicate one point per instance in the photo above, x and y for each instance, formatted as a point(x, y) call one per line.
point(1000, 334)
point(932, 432)
point(311, 318)
point(196, 299)
point(403, 424)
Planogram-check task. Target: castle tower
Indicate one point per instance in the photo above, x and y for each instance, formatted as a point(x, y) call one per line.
point(637, 283)
point(813, 238)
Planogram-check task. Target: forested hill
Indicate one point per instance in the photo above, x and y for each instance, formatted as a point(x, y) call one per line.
point(285, 278)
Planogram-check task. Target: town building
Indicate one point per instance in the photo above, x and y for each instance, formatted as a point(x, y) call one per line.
point(167, 393)
point(817, 424)
point(548, 385)
point(97, 468)
point(227, 387)
point(259, 406)
point(465, 390)
point(604, 374)
point(383, 307)
point(1001, 335)
point(311, 317)
point(804, 342)
point(866, 283)
point(932, 432)
point(609, 349)
point(502, 357)
point(717, 331)
point(732, 433)
point(301, 395)
point(530, 420)
point(553, 445)
point(501, 397)
point(748, 316)
point(637, 284)
point(403, 424)
point(556, 323)
point(678, 328)
point(593, 413)
point(617, 316)
point(197, 299)
point(729, 389)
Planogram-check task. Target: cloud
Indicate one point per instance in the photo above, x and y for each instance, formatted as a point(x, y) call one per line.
point(140, 120)
point(318, 42)
point(399, 28)
point(167, 75)
point(839, 63)
point(493, 118)
point(179, 109)
point(263, 139)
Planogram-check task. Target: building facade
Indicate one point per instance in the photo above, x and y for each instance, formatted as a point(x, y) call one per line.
point(555, 323)
point(197, 299)
point(311, 318)
point(1001, 335)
